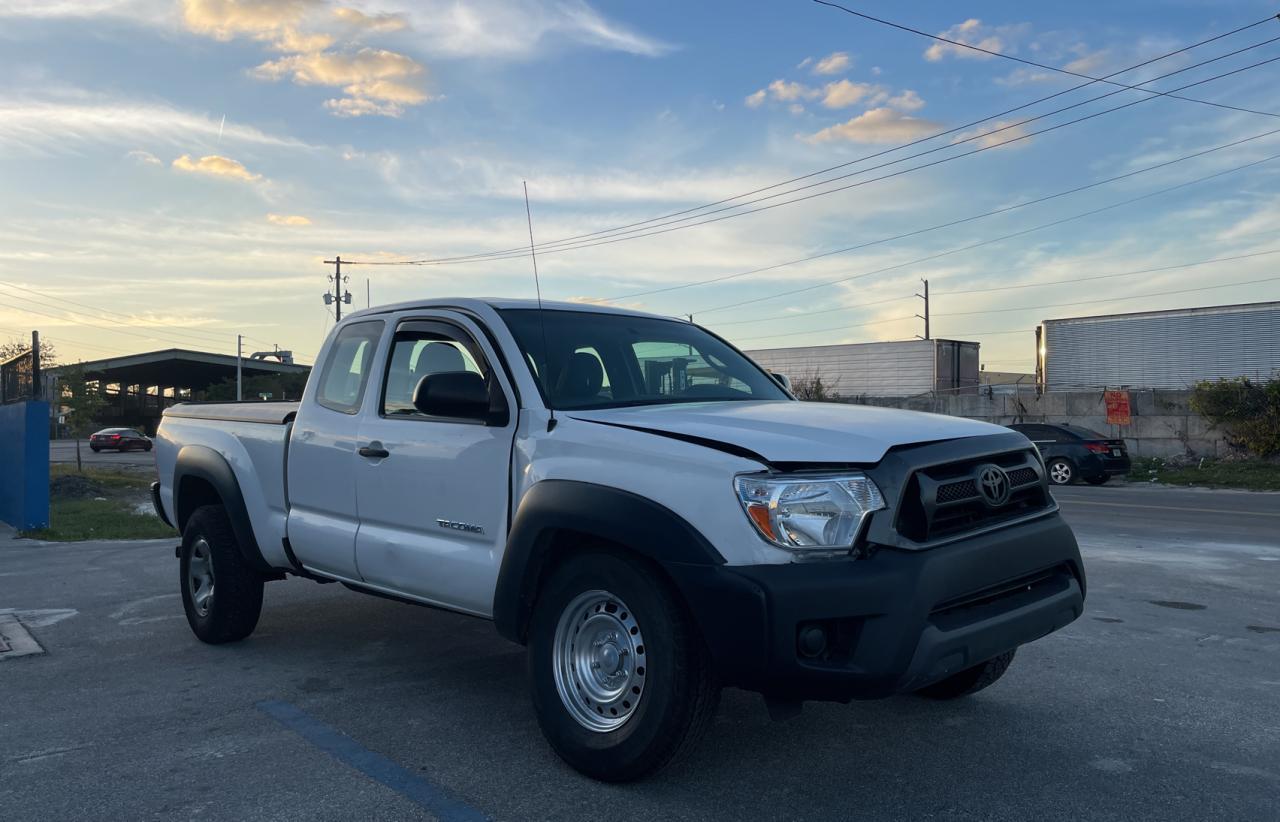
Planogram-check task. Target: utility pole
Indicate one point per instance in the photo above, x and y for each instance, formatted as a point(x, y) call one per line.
point(925, 315)
point(368, 294)
point(339, 295)
point(239, 357)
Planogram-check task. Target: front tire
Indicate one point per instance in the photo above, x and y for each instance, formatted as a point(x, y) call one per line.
point(1061, 471)
point(221, 594)
point(621, 681)
point(970, 680)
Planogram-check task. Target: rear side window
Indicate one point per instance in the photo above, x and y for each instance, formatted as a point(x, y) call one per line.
point(346, 370)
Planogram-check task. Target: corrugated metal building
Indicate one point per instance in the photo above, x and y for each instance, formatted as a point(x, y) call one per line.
point(880, 369)
point(1160, 349)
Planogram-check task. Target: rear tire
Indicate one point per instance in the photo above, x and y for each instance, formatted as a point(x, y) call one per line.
point(1101, 480)
point(608, 632)
point(221, 594)
point(1061, 471)
point(970, 680)
point(95, 449)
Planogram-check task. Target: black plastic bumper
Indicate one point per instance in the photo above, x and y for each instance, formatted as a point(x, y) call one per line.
point(895, 622)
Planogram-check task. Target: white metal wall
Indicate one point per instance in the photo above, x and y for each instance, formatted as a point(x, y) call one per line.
point(1163, 349)
point(881, 369)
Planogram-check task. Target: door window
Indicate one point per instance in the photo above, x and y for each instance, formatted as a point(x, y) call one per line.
point(346, 370)
point(419, 350)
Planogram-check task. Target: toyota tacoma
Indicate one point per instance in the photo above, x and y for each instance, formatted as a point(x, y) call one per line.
point(646, 510)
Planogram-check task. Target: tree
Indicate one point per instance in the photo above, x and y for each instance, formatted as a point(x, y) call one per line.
point(81, 402)
point(12, 348)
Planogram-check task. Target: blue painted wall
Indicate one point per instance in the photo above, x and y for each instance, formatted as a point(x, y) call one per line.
point(24, 464)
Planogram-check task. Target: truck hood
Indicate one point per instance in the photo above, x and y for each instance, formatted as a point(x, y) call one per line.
point(782, 431)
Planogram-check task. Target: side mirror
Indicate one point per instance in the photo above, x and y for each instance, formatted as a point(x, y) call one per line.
point(782, 379)
point(459, 395)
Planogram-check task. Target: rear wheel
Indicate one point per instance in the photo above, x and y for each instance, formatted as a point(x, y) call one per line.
point(1101, 479)
point(622, 684)
point(221, 594)
point(970, 680)
point(1061, 471)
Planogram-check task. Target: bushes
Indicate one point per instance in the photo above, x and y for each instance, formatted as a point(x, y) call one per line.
point(814, 389)
point(1247, 411)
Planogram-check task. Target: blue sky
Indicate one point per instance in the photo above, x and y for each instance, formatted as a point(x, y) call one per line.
point(397, 130)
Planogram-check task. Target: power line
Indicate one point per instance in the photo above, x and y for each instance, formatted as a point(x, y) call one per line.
point(1108, 299)
point(1023, 308)
point(520, 250)
point(101, 310)
point(1040, 227)
point(891, 175)
point(1044, 66)
point(1051, 305)
point(1045, 284)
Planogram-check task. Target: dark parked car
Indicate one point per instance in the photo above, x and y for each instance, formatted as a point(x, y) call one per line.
point(119, 439)
point(1071, 452)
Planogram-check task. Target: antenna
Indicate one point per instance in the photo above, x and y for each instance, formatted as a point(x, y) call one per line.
point(542, 317)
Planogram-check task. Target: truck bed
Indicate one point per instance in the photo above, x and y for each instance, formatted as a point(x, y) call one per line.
point(278, 412)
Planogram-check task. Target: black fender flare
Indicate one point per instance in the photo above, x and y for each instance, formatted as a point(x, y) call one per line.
point(611, 514)
point(204, 463)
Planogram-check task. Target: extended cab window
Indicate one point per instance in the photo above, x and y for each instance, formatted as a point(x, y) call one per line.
point(600, 360)
point(422, 348)
point(346, 370)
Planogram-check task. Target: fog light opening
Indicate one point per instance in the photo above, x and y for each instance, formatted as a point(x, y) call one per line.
point(812, 640)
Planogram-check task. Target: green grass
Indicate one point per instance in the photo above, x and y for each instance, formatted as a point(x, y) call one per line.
point(75, 520)
point(1250, 475)
point(121, 478)
point(112, 516)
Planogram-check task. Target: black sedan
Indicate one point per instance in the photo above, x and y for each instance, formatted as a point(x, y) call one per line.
point(1071, 452)
point(119, 439)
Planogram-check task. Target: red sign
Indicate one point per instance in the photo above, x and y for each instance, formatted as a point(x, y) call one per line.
point(1117, 407)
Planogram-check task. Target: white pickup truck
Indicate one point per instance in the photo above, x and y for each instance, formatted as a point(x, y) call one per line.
point(647, 510)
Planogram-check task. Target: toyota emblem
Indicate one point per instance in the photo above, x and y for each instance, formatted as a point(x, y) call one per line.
point(993, 484)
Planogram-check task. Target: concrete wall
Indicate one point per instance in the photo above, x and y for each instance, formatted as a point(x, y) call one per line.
point(1163, 423)
point(24, 464)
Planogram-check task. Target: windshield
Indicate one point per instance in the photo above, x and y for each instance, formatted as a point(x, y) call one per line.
point(608, 360)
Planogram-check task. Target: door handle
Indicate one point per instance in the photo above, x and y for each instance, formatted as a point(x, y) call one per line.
point(374, 450)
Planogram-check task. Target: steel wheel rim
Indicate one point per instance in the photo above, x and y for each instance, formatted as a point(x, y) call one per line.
point(599, 661)
point(1060, 472)
point(200, 576)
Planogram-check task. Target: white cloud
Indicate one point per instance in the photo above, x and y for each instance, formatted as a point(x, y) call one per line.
point(258, 19)
point(843, 93)
point(292, 220)
point(371, 22)
point(787, 92)
point(974, 33)
point(215, 165)
point(144, 157)
point(877, 125)
point(376, 81)
point(57, 126)
point(795, 108)
point(833, 63)
point(756, 98)
point(995, 134)
point(908, 100)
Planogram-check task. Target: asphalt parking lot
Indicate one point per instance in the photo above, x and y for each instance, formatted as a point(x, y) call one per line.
point(1162, 702)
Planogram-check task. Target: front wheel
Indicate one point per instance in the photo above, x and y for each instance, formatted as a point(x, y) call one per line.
point(1061, 472)
point(970, 680)
point(621, 681)
point(221, 594)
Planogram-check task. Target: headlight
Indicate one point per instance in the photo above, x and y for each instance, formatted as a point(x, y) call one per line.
point(814, 514)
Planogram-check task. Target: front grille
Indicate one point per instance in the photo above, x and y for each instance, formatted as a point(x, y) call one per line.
point(947, 500)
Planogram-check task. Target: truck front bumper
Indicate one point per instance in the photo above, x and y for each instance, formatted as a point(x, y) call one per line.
point(891, 623)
